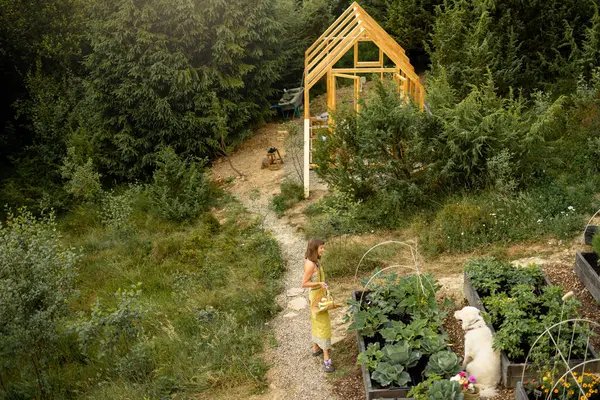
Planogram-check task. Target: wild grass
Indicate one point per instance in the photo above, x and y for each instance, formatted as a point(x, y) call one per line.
point(557, 209)
point(467, 222)
point(291, 194)
point(208, 286)
point(343, 255)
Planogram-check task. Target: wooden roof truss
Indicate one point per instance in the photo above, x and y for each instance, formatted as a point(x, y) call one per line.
point(352, 27)
point(348, 30)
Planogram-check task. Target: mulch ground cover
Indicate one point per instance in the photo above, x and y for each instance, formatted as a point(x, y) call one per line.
point(351, 385)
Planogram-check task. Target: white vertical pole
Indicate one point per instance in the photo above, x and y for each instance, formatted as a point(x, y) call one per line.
point(306, 157)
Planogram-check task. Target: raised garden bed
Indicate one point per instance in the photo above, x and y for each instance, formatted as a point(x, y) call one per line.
point(588, 272)
point(512, 371)
point(520, 393)
point(571, 387)
point(373, 392)
point(400, 336)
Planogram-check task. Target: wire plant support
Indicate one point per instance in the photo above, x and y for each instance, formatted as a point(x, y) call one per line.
point(568, 367)
point(414, 255)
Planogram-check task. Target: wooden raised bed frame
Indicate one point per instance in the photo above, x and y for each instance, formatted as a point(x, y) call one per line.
point(372, 393)
point(587, 270)
point(511, 371)
point(520, 393)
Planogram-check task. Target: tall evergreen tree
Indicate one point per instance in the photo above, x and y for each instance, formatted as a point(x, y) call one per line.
point(526, 45)
point(176, 73)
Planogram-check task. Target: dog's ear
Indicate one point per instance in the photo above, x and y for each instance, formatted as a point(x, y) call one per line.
point(458, 314)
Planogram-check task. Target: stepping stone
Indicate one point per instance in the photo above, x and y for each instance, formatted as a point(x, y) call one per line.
point(298, 304)
point(290, 315)
point(295, 292)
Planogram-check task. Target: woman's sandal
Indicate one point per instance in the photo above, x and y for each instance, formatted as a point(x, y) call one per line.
point(327, 367)
point(317, 353)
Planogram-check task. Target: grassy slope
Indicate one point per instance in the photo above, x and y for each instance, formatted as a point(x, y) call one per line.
point(208, 285)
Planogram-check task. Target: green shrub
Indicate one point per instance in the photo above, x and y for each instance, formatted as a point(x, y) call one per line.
point(81, 179)
point(180, 190)
point(334, 215)
point(110, 332)
point(291, 193)
point(554, 209)
point(117, 208)
point(378, 150)
point(37, 280)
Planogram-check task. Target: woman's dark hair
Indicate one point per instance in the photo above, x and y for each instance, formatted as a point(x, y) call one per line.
point(312, 250)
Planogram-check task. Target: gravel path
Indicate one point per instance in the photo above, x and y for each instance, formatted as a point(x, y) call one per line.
point(295, 374)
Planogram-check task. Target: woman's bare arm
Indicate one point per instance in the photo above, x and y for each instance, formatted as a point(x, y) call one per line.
point(309, 270)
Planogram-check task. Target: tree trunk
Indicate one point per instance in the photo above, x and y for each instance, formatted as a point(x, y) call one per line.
point(223, 149)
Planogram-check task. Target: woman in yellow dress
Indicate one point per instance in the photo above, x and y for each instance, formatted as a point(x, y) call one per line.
point(314, 279)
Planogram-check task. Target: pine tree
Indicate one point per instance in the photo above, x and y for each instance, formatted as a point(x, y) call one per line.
point(174, 73)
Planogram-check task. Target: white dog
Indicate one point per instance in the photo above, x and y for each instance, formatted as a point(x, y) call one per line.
point(481, 360)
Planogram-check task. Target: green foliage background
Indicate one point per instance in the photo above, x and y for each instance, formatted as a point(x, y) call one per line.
point(110, 107)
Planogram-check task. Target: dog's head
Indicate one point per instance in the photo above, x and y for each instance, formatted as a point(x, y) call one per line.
point(469, 316)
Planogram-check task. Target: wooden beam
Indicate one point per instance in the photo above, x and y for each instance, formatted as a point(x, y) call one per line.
point(332, 58)
point(369, 64)
point(306, 103)
point(345, 76)
point(341, 31)
point(362, 70)
point(355, 53)
point(356, 93)
point(328, 30)
point(330, 90)
point(381, 61)
point(348, 30)
point(334, 94)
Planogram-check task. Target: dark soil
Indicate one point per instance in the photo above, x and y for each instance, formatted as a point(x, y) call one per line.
point(562, 275)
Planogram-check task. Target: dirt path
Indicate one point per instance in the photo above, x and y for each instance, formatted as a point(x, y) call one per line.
point(294, 374)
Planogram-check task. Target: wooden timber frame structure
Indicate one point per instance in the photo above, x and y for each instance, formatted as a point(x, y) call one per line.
point(352, 27)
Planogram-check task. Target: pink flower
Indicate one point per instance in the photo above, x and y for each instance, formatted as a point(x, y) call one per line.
point(472, 379)
point(462, 374)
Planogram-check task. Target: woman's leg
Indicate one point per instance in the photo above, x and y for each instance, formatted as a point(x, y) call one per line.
point(327, 367)
point(316, 347)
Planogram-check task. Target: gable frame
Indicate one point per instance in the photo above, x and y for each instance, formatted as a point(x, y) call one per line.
point(351, 27)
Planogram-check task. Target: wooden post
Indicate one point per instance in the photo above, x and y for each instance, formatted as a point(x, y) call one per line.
point(381, 61)
point(306, 142)
point(330, 90)
point(356, 91)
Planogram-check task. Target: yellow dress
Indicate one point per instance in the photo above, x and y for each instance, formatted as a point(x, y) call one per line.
point(321, 324)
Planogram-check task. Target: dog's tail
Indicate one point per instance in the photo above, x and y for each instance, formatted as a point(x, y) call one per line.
point(489, 392)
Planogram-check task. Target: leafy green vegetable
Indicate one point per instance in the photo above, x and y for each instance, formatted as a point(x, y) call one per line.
point(368, 321)
point(444, 363)
point(445, 390)
point(433, 343)
point(401, 353)
point(387, 373)
point(370, 357)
